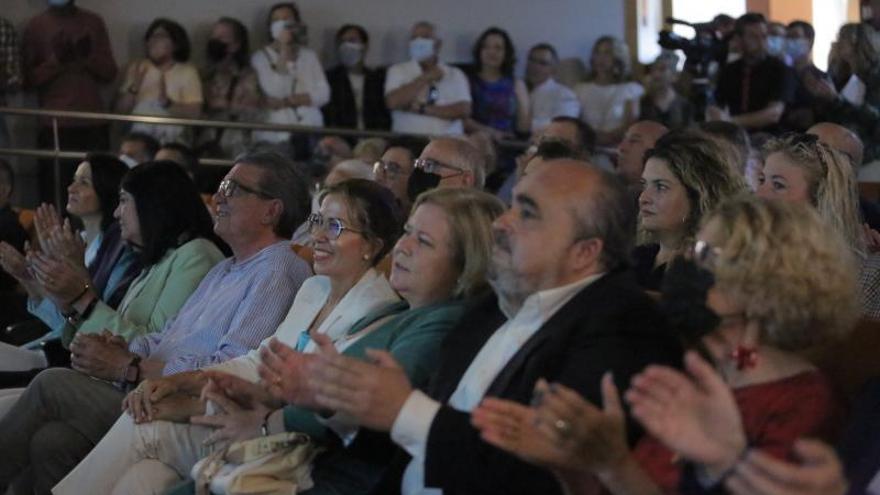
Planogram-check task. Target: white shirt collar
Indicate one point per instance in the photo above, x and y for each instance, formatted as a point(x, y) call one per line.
point(546, 302)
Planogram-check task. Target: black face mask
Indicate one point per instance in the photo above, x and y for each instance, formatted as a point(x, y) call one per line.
point(419, 182)
point(216, 50)
point(683, 301)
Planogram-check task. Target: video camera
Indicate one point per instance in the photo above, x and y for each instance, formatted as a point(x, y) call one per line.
point(700, 51)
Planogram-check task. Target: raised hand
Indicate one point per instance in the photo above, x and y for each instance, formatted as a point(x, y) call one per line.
point(46, 220)
point(818, 472)
point(232, 422)
point(283, 371)
point(63, 281)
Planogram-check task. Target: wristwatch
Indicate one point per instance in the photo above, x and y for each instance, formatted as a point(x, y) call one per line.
point(133, 371)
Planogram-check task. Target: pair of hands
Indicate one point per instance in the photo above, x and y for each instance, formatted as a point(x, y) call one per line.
point(105, 356)
point(138, 74)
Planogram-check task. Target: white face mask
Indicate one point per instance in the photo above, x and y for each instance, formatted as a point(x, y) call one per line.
point(278, 26)
point(128, 161)
point(350, 53)
point(421, 49)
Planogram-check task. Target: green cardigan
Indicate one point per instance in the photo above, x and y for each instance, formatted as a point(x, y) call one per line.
point(413, 337)
point(155, 296)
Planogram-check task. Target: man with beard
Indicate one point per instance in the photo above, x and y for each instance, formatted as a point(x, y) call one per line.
point(564, 309)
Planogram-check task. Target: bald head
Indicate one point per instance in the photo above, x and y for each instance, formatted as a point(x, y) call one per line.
point(639, 138)
point(841, 139)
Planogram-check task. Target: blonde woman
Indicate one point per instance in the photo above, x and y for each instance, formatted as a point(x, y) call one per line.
point(800, 169)
point(609, 99)
point(749, 257)
point(686, 175)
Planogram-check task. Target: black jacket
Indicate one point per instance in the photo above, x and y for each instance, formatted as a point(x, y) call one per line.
point(341, 111)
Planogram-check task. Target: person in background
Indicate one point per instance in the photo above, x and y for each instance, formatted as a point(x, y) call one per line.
point(230, 89)
point(447, 162)
point(609, 99)
point(547, 98)
point(182, 155)
point(137, 148)
point(163, 83)
point(776, 35)
point(67, 58)
point(426, 96)
point(10, 75)
point(639, 138)
point(395, 167)
point(499, 101)
point(753, 91)
point(357, 92)
point(661, 102)
point(291, 78)
point(369, 149)
point(738, 142)
point(348, 169)
point(800, 36)
point(686, 175)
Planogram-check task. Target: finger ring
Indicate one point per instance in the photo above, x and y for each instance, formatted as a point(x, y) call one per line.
point(562, 426)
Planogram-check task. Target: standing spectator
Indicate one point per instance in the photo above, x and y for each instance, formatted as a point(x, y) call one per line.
point(500, 101)
point(662, 103)
point(799, 48)
point(163, 84)
point(425, 95)
point(753, 91)
point(10, 71)
point(547, 97)
point(290, 76)
point(357, 92)
point(230, 86)
point(609, 100)
point(66, 56)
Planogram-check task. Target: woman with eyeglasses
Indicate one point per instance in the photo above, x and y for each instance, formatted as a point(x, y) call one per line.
point(800, 169)
point(355, 227)
point(747, 305)
point(685, 176)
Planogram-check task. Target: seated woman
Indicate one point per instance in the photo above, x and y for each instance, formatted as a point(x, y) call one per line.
point(290, 76)
point(801, 169)
point(355, 227)
point(111, 265)
point(685, 176)
point(164, 83)
point(230, 87)
point(748, 306)
point(500, 101)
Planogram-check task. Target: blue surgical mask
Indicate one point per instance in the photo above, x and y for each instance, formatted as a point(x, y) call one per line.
point(421, 49)
point(775, 45)
point(350, 53)
point(797, 48)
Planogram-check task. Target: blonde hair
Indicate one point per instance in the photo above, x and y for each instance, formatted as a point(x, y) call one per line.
point(779, 262)
point(705, 170)
point(470, 213)
point(832, 183)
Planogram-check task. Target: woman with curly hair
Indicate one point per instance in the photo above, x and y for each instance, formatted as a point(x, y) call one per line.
point(799, 168)
point(750, 307)
point(686, 175)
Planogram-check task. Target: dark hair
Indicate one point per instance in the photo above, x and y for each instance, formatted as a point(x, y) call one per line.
point(242, 56)
point(284, 180)
point(107, 174)
point(509, 61)
point(191, 160)
point(609, 214)
point(149, 142)
point(746, 20)
point(586, 134)
point(548, 47)
point(357, 27)
point(178, 37)
point(6, 174)
point(728, 131)
point(278, 6)
point(169, 209)
point(375, 210)
point(413, 145)
point(809, 32)
point(554, 149)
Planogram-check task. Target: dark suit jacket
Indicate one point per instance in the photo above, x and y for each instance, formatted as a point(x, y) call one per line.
point(341, 111)
point(860, 446)
point(609, 325)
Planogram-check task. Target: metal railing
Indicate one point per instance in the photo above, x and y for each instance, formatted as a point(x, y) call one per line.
point(58, 154)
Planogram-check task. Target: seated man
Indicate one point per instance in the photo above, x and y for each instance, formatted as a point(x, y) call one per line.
point(564, 310)
point(639, 138)
point(548, 98)
point(448, 162)
point(64, 413)
point(424, 95)
point(753, 91)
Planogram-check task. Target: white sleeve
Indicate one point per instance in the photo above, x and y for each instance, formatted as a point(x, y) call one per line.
point(394, 78)
point(460, 88)
point(313, 79)
point(413, 423)
point(567, 104)
point(272, 83)
point(244, 366)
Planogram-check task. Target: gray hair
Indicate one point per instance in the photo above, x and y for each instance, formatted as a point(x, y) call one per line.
point(467, 157)
point(608, 214)
point(282, 179)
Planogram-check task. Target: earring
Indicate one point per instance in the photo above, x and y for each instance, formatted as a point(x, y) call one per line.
point(745, 357)
point(366, 257)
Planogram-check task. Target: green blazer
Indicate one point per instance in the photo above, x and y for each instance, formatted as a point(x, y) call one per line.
point(155, 296)
point(412, 336)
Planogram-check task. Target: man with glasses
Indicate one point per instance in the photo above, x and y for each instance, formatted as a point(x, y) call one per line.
point(447, 162)
point(240, 302)
point(548, 98)
point(395, 167)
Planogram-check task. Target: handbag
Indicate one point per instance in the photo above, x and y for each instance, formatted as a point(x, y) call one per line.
point(272, 465)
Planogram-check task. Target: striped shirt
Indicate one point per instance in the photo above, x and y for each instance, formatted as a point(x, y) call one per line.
point(236, 306)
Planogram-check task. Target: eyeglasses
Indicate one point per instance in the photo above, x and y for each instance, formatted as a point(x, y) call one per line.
point(229, 188)
point(431, 166)
point(391, 169)
point(333, 226)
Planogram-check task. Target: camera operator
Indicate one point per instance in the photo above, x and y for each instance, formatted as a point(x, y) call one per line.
point(753, 91)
